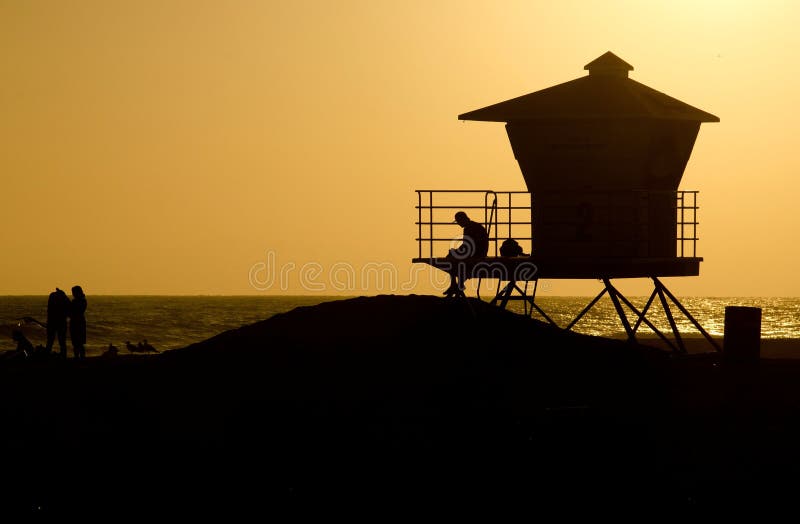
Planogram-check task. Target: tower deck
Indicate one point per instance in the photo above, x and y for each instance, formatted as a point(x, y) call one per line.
point(536, 267)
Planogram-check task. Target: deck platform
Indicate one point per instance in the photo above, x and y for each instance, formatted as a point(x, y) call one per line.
point(514, 270)
point(534, 268)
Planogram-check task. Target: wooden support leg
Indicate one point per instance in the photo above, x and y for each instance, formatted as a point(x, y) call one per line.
point(586, 309)
point(687, 314)
point(502, 295)
point(612, 292)
point(512, 284)
point(644, 311)
point(671, 319)
point(643, 318)
point(535, 306)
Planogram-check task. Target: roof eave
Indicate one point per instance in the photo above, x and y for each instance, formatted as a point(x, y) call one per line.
point(705, 118)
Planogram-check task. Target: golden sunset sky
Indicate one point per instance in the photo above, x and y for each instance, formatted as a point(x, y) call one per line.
point(168, 147)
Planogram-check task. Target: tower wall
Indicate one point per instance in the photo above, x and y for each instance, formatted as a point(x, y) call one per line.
point(603, 187)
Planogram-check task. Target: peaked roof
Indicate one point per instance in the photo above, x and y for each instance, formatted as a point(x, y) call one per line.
point(606, 92)
point(608, 62)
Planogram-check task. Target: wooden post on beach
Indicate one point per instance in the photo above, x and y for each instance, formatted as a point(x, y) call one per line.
point(742, 341)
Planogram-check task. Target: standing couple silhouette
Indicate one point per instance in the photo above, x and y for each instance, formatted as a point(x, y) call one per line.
point(59, 308)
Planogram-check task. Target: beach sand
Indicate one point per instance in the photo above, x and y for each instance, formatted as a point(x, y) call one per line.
point(771, 348)
point(399, 404)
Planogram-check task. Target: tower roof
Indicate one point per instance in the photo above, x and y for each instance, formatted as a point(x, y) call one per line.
point(610, 64)
point(606, 92)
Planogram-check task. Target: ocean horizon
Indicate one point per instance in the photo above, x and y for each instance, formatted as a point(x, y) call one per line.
point(174, 321)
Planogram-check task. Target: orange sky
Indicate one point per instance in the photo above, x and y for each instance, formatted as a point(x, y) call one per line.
point(172, 146)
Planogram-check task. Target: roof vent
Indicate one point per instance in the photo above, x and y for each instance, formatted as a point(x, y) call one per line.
point(609, 64)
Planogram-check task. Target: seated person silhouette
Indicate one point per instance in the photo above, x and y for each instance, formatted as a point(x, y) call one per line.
point(473, 248)
point(111, 352)
point(24, 347)
point(146, 347)
point(141, 347)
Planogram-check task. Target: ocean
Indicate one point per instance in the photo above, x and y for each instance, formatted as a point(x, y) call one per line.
point(171, 322)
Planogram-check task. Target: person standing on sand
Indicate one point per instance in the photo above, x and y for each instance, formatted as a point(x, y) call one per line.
point(57, 310)
point(77, 322)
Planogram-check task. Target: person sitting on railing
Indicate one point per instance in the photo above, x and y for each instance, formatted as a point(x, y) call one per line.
point(474, 246)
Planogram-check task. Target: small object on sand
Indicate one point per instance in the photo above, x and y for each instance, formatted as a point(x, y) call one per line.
point(24, 346)
point(147, 347)
point(141, 347)
point(112, 351)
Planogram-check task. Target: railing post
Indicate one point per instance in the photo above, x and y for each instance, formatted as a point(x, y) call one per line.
point(419, 223)
point(509, 214)
point(694, 224)
point(683, 221)
point(491, 220)
point(496, 214)
point(430, 221)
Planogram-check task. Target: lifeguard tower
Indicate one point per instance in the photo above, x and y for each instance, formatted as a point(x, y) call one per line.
point(602, 157)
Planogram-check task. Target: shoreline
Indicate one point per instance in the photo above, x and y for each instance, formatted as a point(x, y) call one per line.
point(771, 348)
point(171, 323)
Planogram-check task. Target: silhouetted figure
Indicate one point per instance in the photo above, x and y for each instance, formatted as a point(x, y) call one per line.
point(141, 347)
point(24, 347)
point(474, 246)
point(111, 351)
point(58, 306)
point(145, 347)
point(148, 348)
point(77, 322)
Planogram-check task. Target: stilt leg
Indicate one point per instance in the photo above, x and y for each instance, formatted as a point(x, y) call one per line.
point(500, 295)
point(586, 309)
point(612, 292)
point(672, 324)
point(512, 284)
point(644, 311)
point(535, 306)
point(687, 314)
point(643, 318)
